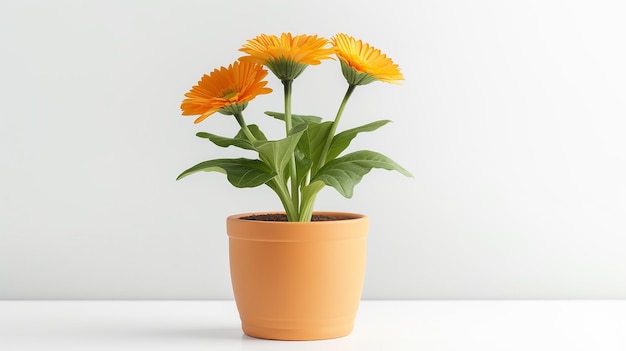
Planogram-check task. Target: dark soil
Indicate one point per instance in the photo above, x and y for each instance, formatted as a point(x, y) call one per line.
point(277, 217)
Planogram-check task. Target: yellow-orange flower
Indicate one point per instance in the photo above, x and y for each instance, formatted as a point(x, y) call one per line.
point(362, 64)
point(286, 56)
point(225, 90)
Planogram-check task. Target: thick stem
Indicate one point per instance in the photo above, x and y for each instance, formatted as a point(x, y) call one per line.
point(283, 194)
point(295, 191)
point(306, 209)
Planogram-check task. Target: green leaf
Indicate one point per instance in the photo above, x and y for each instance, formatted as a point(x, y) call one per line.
point(276, 154)
point(240, 140)
point(312, 189)
point(303, 165)
point(226, 142)
point(342, 140)
point(241, 172)
point(312, 142)
point(295, 119)
point(255, 130)
point(345, 172)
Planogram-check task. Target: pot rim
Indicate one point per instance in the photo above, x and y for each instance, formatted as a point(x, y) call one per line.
point(245, 229)
point(350, 216)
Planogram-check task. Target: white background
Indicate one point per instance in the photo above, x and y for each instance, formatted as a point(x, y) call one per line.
point(512, 118)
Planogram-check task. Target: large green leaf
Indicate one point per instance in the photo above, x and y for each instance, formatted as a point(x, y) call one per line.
point(312, 142)
point(277, 153)
point(241, 172)
point(345, 172)
point(342, 140)
point(295, 119)
point(240, 140)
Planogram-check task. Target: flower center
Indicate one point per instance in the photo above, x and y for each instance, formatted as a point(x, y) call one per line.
point(229, 94)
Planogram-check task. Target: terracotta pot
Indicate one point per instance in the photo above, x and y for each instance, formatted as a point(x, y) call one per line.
point(298, 280)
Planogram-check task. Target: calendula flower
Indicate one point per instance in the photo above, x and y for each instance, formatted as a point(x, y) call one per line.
point(287, 56)
point(225, 90)
point(362, 64)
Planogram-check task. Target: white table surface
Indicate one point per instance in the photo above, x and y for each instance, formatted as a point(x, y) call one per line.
point(380, 326)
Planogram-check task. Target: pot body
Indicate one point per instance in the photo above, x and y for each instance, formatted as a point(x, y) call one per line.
point(298, 280)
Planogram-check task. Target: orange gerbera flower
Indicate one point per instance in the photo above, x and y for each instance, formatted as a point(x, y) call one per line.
point(362, 64)
point(286, 56)
point(225, 90)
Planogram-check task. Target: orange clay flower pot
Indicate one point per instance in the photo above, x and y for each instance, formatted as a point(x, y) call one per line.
point(298, 280)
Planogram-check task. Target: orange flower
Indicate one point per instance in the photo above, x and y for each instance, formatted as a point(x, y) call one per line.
point(286, 56)
point(362, 64)
point(225, 90)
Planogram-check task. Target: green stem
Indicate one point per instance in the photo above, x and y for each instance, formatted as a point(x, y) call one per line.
point(333, 127)
point(306, 210)
point(308, 202)
point(295, 191)
point(283, 194)
point(287, 101)
point(244, 127)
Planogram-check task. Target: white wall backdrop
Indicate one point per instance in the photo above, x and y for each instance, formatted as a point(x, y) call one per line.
point(512, 118)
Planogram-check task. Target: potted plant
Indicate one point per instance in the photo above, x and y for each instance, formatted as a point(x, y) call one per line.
point(297, 274)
